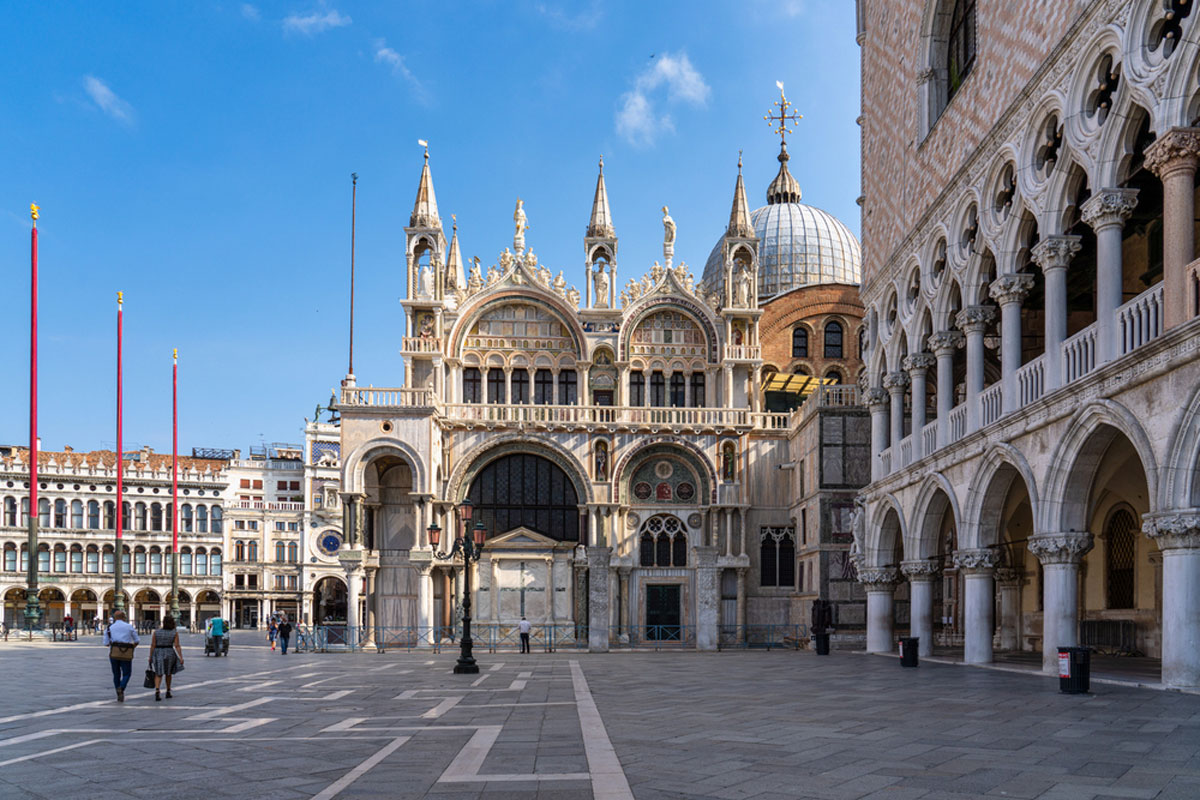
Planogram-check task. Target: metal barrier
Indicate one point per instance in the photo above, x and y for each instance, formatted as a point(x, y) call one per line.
point(1109, 636)
point(764, 637)
point(674, 637)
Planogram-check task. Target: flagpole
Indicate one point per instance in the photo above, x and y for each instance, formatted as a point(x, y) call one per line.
point(118, 556)
point(353, 211)
point(32, 609)
point(175, 485)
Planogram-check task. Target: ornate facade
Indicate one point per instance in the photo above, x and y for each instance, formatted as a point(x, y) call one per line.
point(1030, 279)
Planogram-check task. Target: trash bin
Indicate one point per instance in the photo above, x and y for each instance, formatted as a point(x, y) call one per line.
point(822, 642)
point(908, 650)
point(1074, 670)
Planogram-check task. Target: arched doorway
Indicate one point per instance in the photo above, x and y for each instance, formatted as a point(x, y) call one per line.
point(147, 607)
point(53, 603)
point(84, 607)
point(329, 601)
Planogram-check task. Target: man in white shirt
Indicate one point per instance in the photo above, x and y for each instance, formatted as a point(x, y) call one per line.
point(523, 627)
point(120, 632)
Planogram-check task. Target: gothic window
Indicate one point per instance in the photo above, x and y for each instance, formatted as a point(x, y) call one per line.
point(833, 339)
point(526, 490)
point(679, 550)
point(647, 550)
point(678, 390)
point(663, 542)
point(520, 386)
point(662, 551)
point(698, 400)
point(799, 342)
point(637, 388)
point(495, 386)
point(543, 387)
point(777, 557)
point(470, 391)
point(1119, 559)
point(568, 387)
point(961, 46)
point(657, 389)
point(1167, 32)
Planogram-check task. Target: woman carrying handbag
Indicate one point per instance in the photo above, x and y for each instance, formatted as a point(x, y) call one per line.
point(166, 656)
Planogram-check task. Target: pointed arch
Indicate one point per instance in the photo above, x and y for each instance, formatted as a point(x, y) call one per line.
point(999, 467)
point(1180, 485)
point(883, 534)
point(935, 496)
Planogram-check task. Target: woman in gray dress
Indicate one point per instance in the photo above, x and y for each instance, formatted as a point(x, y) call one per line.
point(166, 657)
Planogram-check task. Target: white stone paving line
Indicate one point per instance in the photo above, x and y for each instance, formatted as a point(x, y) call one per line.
point(466, 765)
point(608, 778)
point(350, 777)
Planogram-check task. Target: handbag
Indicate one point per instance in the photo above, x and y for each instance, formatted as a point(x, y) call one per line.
point(121, 652)
point(149, 682)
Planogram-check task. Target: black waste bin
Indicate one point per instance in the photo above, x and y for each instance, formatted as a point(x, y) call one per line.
point(822, 642)
point(1074, 670)
point(908, 650)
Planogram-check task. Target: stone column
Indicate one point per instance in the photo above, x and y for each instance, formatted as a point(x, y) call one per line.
point(921, 575)
point(896, 383)
point(875, 399)
point(598, 560)
point(623, 599)
point(372, 591)
point(1009, 581)
point(1173, 158)
point(493, 570)
point(728, 390)
point(1178, 536)
point(973, 321)
point(741, 605)
point(1060, 554)
point(916, 365)
point(507, 385)
point(353, 592)
point(742, 531)
point(707, 598)
point(880, 583)
point(978, 593)
point(580, 592)
point(424, 605)
point(729, 533)
point(1008, 291)
point(1053, 254)
point(1106, 212)
point(195, 618)
point(943, 344)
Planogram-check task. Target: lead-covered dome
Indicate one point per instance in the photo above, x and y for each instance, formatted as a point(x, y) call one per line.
point(798, 245)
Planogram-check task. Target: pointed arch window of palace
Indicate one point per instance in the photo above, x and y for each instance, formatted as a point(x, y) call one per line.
point(777, 557)
point(663, 542)
point(960, 47)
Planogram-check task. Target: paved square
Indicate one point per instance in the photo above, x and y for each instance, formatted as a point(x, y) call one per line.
point(570, 725)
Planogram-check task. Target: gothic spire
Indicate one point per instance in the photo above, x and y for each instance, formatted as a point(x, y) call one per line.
point(425, 210)
point(739, 215)
point(601, 225)
point(455, 277)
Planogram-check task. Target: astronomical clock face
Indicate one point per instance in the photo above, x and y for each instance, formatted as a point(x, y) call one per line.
point(329, 543)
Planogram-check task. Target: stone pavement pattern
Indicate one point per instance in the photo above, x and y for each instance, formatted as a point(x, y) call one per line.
point(570, 725)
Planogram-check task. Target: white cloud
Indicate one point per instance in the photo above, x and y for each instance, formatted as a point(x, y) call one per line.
point(572, 19)
point(250, 12)
point(107, 100)
point(637, 118)
point(393, 60)
point(314, 23)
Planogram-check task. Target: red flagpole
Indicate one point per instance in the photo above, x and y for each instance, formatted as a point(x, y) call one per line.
point(32, 611)
point(118, 557)
point(175, 485)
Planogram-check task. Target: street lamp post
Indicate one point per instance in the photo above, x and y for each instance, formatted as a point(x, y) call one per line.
point(469, 545)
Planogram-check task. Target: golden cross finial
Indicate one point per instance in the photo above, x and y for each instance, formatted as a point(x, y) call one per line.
point(779, 122)
point(34, 208)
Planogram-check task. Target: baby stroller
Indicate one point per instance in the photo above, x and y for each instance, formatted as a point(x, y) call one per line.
point(216, 638)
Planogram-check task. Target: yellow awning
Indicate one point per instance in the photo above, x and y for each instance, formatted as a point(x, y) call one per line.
point(803, 385)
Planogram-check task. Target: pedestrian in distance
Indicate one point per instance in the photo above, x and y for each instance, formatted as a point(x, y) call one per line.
point(166, 656)
point(122, 639)
point(272, 631)
point(523, 627)
point(285, 633)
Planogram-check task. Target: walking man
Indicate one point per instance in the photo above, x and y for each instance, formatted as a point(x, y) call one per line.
point(523, 626)
point(285, 633)
point(121, 638)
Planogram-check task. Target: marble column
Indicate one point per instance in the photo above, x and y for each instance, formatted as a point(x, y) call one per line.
point(1008, 291)
point(727, 400)
point(880, 583)
point(493, 572)
point(424, 605)
point(741, 605)
point(921, 575)
point(917, 365)
point(729, 533)
point(876, 400)
point(896, 383)
point(943, 344)
point(1105, 212)
point(580, 594)
point(978, 593)
point(598, 559)
point(353, 593)
point(1173, 158)
point(195, 619)
point(1177, 534)
point(372, 590)
point(973, 321)
point(1009, 582)
point(708, 598)
point(1053, 254)
point(623, 599)
point(1060, 554)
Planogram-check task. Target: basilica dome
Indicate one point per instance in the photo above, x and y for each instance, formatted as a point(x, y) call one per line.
point(798, 245)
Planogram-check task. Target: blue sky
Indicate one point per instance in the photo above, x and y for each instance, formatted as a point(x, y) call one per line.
point(197, 156)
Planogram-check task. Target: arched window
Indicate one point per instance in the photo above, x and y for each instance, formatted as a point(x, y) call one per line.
point(60, 559)
point(77, 514)
point(526, 490)
point(679, 550)
point(156, 561)
point(663, 542)
point(293, 550)
point(647, 550)
point(126, 561)
point(799, 342)
point(44, 513)
point(833, 339)
point(108, 561)
point(10, 512)
point(201, 562)
point(833, 376)
point(239, 551)
point(960, 49)
point(139, 561)
point(280, 551)
point(93, 560)
point(126, 516)
point(169, 516)
point(185, 514)
point(1119, 559)
point(185, 561)
point(10, 558)
point(60, 513)
point(202, 519)
point(93, 515)
point(217, 517)
point(214, 563)
point(24, 512)
point(139, 517)
point(76, 559)
point(657, 389)
point(471, 385)
point(156, 517)
point(777, 557)
point(698, 398)
point(43, 559)
point(252, 551)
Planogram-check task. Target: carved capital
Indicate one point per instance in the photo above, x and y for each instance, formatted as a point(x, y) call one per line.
point(926, 75)
point(879, 578)
point(1011, 288)
point(974, 319)
point(1178, 148)
point(918, 363)
point(1065, 547)
point(979, 560)
point(1007, 576)
point(895, 381)
point(874, 397)
point(1178, 529)
point(921, 570)
point(1109, 207)
point(1056, 251)
point(944, 343)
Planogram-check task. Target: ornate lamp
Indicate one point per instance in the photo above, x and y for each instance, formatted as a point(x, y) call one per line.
point(469, 545)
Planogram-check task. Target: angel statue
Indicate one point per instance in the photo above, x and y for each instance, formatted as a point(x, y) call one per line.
point(476, 280)
point(519, 219)
point(668, 227)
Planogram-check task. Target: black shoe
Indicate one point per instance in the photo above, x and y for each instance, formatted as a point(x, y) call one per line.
point(120, 695)
point(157, 696)
point(168, 694)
